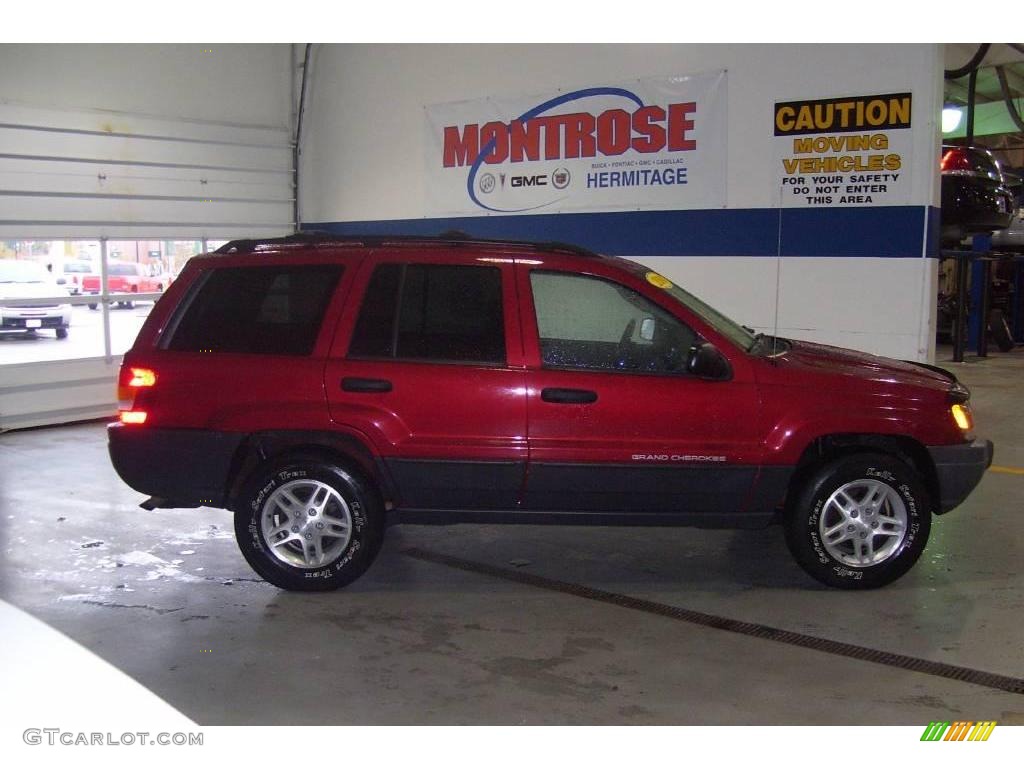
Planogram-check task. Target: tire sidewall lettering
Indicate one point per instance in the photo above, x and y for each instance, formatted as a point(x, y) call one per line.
point(805, 538)
point(344, 484)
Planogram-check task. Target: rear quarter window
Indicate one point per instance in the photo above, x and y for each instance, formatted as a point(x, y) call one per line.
point(272, 310)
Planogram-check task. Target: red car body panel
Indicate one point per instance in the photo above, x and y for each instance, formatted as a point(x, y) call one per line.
point(456, 436)
point(420, 418)
point(636, 414)
point(125, 284)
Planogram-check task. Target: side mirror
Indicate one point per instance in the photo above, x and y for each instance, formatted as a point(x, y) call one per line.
point(706, 362)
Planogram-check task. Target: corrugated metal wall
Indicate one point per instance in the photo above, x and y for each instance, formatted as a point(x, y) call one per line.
point(90, 174)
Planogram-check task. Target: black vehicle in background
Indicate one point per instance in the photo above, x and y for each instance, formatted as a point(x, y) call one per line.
point(975, 196)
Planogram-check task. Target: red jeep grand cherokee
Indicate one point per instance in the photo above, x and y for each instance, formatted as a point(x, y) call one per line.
point(322, 388)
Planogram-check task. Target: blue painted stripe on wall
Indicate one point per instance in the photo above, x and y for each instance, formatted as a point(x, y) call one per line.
point(893, 231)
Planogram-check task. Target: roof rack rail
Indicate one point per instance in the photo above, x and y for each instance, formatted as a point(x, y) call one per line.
point(555, 245)
point(454, 234)
point(247, 245)
point(453, 237)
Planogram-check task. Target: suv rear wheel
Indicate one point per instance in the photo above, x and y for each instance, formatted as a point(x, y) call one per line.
point(305, 524)
point(860, 521)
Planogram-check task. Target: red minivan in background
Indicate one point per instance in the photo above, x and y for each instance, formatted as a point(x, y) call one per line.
point(322, 388)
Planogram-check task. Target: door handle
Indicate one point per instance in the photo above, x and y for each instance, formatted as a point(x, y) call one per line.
point(354, 384)
point(559, 395)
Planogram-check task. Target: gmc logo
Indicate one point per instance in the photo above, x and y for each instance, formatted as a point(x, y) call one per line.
point(540, 180)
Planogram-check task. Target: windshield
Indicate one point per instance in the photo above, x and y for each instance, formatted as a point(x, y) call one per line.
point(22, 272)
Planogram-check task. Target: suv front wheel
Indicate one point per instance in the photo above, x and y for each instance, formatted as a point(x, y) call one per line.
point(859, 522)
point(305, 524)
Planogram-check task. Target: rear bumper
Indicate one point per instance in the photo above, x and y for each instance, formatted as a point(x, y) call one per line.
point(959, 469)
point(975, 205)
point(179, 467)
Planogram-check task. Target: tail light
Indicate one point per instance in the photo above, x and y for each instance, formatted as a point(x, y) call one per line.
point(132, 417)
point(131, 381)
point(956, 160)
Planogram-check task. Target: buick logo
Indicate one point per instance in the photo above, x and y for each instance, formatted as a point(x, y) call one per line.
point(560, 178)
point(487, 183)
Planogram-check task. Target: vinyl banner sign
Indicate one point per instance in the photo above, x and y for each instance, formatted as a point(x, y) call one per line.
point(850, 151)
point(653, 144)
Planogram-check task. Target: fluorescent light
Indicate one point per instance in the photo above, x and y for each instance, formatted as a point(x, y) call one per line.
point(951, 119)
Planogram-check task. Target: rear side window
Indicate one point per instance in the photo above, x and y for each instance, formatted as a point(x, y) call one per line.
point(437, 312)
point(274, 310)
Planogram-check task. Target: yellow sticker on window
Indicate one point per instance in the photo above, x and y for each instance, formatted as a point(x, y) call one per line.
point(658, 281)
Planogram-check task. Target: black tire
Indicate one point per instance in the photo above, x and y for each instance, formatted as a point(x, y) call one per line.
point(1000, 330)
point(62, 333)
point(810, 513)
point(93, 306)
point(296, 473)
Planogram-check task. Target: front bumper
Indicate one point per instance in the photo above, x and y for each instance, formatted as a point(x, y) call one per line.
point(959, 468)
point(27, 319)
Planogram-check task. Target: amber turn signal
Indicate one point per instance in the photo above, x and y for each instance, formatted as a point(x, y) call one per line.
point(962, 416)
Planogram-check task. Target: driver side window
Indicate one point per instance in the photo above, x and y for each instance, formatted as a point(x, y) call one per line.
point(595, 324)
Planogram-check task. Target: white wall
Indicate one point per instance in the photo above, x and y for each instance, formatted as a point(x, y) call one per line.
point(363, 157)
point(249, 84)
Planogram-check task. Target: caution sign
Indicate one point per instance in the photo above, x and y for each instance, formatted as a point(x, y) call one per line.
point(844, 151)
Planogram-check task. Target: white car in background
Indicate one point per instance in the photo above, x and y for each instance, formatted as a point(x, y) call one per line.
point(74, 272)
point(29, 280)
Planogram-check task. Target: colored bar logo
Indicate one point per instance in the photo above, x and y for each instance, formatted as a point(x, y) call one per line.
point(961, 730)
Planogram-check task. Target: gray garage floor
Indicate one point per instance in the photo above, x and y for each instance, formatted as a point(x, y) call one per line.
point(166, 597)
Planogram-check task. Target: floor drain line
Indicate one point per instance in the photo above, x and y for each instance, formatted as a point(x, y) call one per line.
point(762, 631)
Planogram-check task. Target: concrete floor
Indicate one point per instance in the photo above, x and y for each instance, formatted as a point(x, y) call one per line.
point(166, 597)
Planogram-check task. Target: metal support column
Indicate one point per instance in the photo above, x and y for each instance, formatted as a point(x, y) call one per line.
point(1017, 306)
point(974, 317)
point(981, 277)
point(961, 307)
point(981, 274)
point(104, 299)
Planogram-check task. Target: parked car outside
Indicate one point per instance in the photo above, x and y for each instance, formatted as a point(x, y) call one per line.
point(124, 277)
point(73, 274)
point(22, 279)
point(975, 196)
point(322, 389)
